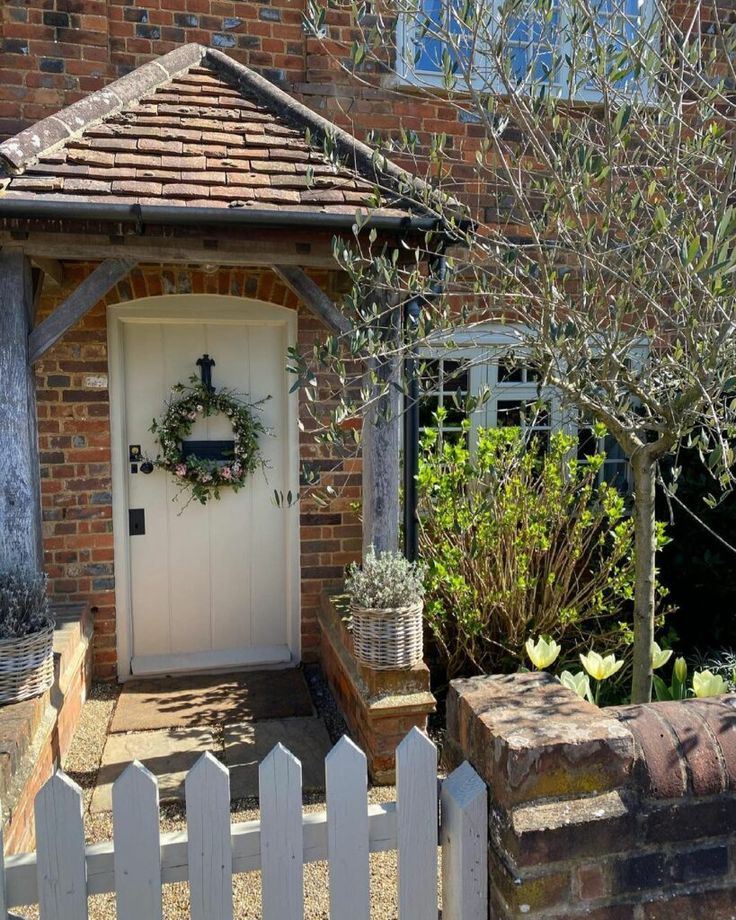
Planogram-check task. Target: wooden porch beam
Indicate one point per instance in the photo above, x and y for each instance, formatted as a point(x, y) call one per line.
point(381, 467)
point(313, 297)
point(382, 420)
point(256, 253)
point(381, 445)
point(52, 268)
point(20, 496)
point(78, 303)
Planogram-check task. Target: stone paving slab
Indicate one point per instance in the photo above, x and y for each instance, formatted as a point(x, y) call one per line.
point(167, 754)
point(194, 701)
point(246, 745)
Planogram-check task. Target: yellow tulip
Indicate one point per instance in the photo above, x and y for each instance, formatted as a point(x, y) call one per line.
point(705, 683)
point(600, 668)
point(680, 669)
point(660, 656)
point(579, 682)
point(542, 652)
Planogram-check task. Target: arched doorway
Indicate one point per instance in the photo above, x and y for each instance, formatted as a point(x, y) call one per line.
point(215, 586)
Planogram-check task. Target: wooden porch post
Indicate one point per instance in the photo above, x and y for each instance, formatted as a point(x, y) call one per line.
point(20, 498)
point(381, 442)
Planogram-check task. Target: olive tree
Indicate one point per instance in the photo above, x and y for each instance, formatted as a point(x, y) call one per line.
point(605, 247)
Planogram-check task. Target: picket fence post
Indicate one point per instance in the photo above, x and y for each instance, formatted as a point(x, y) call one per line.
point(137, 842)
point(416, 781)
point(346, 774)
point(209, 847)
point(61, 865)
point(464, 802)
point(282, 846)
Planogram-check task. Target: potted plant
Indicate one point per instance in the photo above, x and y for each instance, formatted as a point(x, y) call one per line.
point(26, 636)
point(386, 598)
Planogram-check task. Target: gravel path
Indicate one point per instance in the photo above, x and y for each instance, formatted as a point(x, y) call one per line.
point(82, 763)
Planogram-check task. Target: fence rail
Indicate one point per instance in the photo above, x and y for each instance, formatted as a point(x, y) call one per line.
point(63, 872)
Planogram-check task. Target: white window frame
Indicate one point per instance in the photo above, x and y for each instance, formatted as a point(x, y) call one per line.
point(407, 72)
point(490, 344)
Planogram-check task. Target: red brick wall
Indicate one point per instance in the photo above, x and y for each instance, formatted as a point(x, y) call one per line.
point(618, 814)
point(74, 442)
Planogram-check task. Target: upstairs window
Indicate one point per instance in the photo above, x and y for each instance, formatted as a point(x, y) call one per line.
point(550, 43)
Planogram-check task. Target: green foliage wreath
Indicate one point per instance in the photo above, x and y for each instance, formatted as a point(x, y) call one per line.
point(206, 477)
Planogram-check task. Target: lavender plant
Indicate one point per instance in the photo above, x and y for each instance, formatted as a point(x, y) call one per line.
point(24, 605)
point(384, 581)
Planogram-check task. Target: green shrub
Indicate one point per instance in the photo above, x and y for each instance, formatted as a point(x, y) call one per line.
point(521, 544)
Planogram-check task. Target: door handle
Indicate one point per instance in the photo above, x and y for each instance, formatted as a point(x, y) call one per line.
point(146, 467)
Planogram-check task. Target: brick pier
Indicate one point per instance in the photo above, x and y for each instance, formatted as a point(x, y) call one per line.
point(626, 813)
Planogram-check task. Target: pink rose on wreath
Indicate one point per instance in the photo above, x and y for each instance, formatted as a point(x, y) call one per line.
point(227, 473)
point(205, 477)
point(181, 470)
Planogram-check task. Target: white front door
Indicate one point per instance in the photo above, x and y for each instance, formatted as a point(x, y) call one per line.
point(212, 586)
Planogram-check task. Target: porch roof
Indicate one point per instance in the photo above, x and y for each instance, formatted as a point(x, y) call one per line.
point(195, 129)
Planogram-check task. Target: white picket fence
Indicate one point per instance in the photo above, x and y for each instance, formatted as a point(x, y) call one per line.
point(63, 872)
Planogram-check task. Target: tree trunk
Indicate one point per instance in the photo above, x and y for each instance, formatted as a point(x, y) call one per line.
point(645, 547)
point(20, 501)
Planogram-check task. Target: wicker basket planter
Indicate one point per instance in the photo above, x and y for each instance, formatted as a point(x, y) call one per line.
point(26, 665)
point(388, 639)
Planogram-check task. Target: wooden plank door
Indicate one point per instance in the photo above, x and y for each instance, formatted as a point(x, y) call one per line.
point(210, 586)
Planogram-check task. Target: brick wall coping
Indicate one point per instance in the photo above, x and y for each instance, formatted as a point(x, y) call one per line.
point(24, 726)
point(625, 813)
point(683, 748)
point(532, 738)
point(405, 689)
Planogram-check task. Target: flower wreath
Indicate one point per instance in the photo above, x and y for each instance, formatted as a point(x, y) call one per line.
point(206, 477)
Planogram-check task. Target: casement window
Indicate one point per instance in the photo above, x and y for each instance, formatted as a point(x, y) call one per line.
point(505, 393)
point(544, 43)
point(507, 396)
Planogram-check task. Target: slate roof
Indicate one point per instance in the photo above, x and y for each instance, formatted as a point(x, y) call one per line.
point(197, 129)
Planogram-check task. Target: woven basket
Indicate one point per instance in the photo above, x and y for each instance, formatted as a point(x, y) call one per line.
point(388, 639)
point(26, 665)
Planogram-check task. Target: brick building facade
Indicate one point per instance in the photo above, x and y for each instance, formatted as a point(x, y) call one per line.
point(53, 54)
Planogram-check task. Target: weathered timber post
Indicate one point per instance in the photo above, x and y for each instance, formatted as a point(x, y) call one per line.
point(20, 499)
point(381, 444)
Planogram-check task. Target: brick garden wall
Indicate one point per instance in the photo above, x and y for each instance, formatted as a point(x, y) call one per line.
point(626, 813)
point(74, 441)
